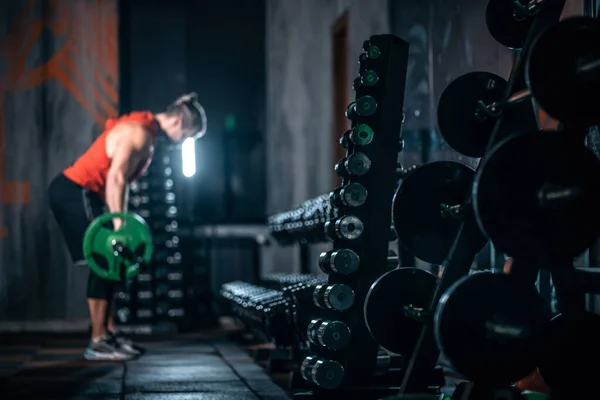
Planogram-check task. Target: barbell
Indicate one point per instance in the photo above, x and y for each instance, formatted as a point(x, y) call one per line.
point(117, 255)
point(562, 74)
point(538, 194)
point(490, 327)
point(509, 21)
point(429, 208)
point(393, 305)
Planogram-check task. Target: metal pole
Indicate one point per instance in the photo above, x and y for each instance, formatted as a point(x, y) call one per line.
point(590, 8)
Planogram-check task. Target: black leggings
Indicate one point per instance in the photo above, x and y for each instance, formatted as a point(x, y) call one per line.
point(74, 207)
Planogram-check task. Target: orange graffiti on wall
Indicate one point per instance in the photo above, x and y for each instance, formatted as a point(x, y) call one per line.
point(85, 64)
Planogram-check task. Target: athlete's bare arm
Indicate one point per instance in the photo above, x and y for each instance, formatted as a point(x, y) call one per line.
point(129, 146)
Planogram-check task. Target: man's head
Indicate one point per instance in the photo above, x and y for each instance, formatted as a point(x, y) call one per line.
point(183, 119)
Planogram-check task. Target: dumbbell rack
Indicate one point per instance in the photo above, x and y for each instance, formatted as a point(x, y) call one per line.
point(166, 295)
point(517, 119)
point(362, 231)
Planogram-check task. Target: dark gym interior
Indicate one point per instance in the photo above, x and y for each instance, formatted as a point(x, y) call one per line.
point(219, 200)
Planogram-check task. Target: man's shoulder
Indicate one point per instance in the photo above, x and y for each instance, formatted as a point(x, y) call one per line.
point(130, 131)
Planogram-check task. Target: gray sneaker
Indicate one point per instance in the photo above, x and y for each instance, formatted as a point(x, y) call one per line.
point(125, 344)
point(106, 349)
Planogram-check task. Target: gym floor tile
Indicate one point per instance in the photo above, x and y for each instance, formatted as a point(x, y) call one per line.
point(191, 396)
point(11, 365)
point(15, 357)
point(184, 387)
point(172, 369)
point(19, 350)
point(72, 351)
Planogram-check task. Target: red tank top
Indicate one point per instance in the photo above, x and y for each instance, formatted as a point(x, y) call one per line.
point(91, 169)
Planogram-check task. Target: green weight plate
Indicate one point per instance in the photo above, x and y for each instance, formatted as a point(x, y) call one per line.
point(552, 71)
point(99, 251)
point(491, 326)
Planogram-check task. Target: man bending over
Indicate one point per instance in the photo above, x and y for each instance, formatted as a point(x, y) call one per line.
point(97, 181)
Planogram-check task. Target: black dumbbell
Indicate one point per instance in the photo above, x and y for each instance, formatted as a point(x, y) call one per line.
point(335, 335)
point(343, 261)
point(327, 374)
point(337, 297)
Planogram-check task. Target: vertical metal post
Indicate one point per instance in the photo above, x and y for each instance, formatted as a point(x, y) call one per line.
point(590, 8)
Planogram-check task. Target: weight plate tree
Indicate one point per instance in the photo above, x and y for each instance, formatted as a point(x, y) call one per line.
point(511, 115)
point(538, 193)
point(573, 45)
point(428, 209)
point(116, 255)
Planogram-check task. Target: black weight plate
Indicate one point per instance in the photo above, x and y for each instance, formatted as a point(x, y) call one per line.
point(490, 327)
point(385, 304)
point(509, 31)
point(551, 70)
point(573, 351)
point(457, 122)
point(416, 213)
point(508, 207)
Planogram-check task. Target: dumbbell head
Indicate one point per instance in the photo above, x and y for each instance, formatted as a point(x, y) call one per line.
point(365, 106)
point(372, 51)
point(338, 297)
point(361, 135)
point(335, 335)
point(306, 367)
point(343, 261)
point(312, 330)
point(327, 374)
point(357, 164)
point(348, 227)
point(351, 195)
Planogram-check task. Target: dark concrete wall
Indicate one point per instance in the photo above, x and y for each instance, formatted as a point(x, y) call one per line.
point(58, 82)
point(217, 50)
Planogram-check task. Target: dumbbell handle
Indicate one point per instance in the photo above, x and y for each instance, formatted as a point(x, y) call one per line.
point(495, 109)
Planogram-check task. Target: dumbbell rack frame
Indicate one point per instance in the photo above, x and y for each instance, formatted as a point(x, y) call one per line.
point(517, 119)
point(360, 357)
